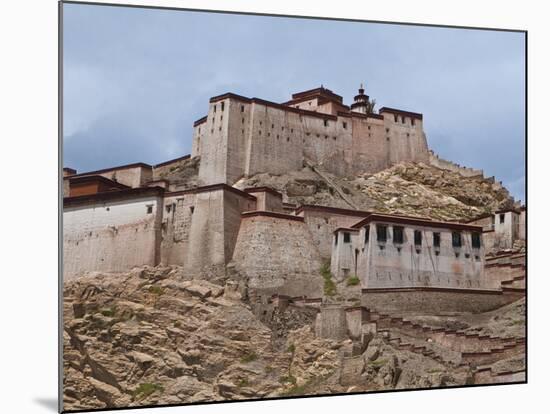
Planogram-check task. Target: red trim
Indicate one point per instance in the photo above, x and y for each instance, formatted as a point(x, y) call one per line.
point(315, 92)
point(185, 157)
point(262, 190)
point(95, 178)
point(120, 167)
point(334, 210)
point(112, 195)
point(200, 121)
point(417, 221)
point(400, 112)
point(431, 289)
point(345, 229)
point(212, 187)
point(251, 214)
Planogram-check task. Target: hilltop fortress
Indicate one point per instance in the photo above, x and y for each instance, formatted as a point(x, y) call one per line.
point(119, 218)
point(241, 136)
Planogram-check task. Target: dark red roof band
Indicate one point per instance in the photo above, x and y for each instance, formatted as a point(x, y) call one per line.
point(250, 214)
point(400, 112)
point(417, 221)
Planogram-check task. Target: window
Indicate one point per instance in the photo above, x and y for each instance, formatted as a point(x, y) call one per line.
point(192, 209)
point(387, 130)
point(398, 234)
point(437, 239)
point(242, 121)
point(381, 233)
point(272, 126)
point(402, 119)
point(336, 239)
point(368, 127)
point(476, 240)
point(501, 217)
point(214, 108)
point(149, 209)
point(325, 122)
point(457, 239)
point(168, 208)
point(417, 238)
point(347, 237)
point(345, 125)
point(242, 108)
point(367, 232)
point(223, 106)
point(412, 121)
point(395, 117)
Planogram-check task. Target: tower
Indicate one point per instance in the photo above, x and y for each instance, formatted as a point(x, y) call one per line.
point(361, 102)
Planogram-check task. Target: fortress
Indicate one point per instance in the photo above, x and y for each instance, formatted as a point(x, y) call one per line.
point(127, 216)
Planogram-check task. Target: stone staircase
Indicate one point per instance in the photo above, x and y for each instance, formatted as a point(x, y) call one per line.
point(507, 271)
point(448, 346)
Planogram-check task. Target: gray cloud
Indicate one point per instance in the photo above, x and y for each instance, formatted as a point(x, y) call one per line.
point(136, 79)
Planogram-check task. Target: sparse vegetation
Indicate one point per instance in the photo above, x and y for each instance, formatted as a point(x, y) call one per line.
point(110, 312)
point(378, 362)
point(243, 382)
point(288, 379)
point(329, 285)
point(249, 357)
point(353, 280)
point(291, 348)
point(157, 290)
point(146, 389)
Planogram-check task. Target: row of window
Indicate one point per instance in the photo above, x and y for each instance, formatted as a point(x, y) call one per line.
point(398, 237)
point(396, 119)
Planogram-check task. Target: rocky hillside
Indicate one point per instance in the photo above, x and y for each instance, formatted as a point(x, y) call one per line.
point(151, 337)
point(410, 189)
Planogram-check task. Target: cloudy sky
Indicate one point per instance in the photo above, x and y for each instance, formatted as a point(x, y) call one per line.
point(136, 79)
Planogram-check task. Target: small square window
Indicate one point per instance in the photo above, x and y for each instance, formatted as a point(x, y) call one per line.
point(325, 122)
point(501, 217)
point(457, 239)
point(417, 238)
point(149, 209)
point(347, 237)
point(398, 234)
point(476, 240)
point(437, 239)
point(381, 233)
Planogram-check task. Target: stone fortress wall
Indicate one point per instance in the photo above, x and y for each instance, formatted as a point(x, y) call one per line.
point(131, 215)
point(242, 136)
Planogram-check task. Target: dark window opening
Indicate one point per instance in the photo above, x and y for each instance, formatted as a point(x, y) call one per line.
point(417, 238)
point(345, 125)
point(260, 122)
point(168, 208)
point(476, 240)
point(457, 239)
point(477, 258)
point(467, 255)
point(437, 239)
point(381, 233)
point(347, 237)
point(192, 209)
point(272, 125)
point(242, 121)
point(412, 121)
point(367, 233)
point(457, 255)
point(149, 209)
point(325, 122)
point(287, 139)
point(242, 108)
point(387, 130)
point(336, 239)
point(437, 252)
point(214, 108)
point(368, 127)
point(402, 119)
point(223, 106)
point(398, 234)
point(501, 218)
point(395, 117)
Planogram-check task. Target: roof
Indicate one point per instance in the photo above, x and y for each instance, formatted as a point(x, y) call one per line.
point(120, 167)
point(95, 178)
point(332, 210)
point(416, 221)
point(321, 91)
point(346, 229)
point(263, 189)
point(184, 157)
point(249, 214)
point(400, 112)
point(212, 187)
point(113, 195)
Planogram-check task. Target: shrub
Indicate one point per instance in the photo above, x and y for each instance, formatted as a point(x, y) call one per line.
point(146, 389)
point(249, 357)
point(329, 286)
point(353, 280)
point(288, 379)
point(291, 348)
point(157, 290)
point(243, 382)
point(110, 312)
